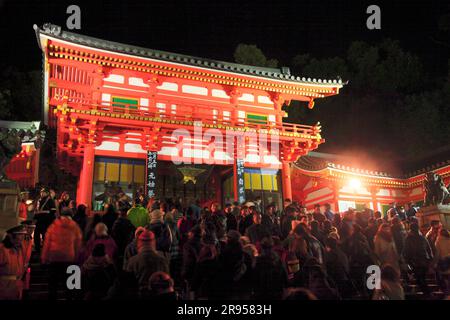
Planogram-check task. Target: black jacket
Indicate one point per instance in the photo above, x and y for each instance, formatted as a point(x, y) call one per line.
point(417, 251)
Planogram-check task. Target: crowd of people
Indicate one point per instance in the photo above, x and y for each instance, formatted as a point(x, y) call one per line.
point(163, 249)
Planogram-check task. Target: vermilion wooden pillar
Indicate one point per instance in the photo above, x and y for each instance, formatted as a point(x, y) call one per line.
point(286, 180)
point(84, 194)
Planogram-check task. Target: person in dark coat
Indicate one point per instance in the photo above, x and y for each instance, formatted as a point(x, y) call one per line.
point(337, 267)
point(271, 221)
point(98, 274)
point(89, 230)
point(44, 216)
point(109, 216)
point(318, 215)
point(191, 251)
point(147, 261)
point(185, 224)
point(245, 219)
point(316, 232)
point(418, 254)
point(161, 287)
point(232, 223)
point(371, 231)
point(360, 257)
point(269, 275)
point(122, 233)
point(206, 273)
point(257, 231)
point(286, 221)
point(80, 217)
point(232, 267)
point(307, 246)
point(399, 234)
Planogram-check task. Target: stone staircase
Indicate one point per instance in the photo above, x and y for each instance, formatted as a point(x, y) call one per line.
point(413, 291)
point(39, 285)
point(38, 289)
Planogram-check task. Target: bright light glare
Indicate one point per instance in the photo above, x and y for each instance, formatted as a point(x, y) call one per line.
point(355, 183)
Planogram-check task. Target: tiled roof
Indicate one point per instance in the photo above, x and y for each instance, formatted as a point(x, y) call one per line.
point(30, 131)
point(316, 161)
point(270, 73)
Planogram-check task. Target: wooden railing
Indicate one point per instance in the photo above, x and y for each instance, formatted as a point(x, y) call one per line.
point(189, 112)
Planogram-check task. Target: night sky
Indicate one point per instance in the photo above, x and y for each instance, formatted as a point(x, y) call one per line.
point(212, 28)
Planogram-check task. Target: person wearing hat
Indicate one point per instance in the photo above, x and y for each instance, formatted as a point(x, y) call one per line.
point(163, 234)
point(12, 264)
point(29, 227)
point(132, 248)
point(147, 261)
point(61, 248)
point(101, 236)
point(161, 287)
point(44, 215)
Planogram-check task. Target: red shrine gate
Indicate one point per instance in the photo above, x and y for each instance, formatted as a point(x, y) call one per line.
point(113, 105)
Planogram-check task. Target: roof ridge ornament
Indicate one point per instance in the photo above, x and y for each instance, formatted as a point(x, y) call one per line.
point(52, 29)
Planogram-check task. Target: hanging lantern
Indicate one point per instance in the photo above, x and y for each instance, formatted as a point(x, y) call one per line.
point(190, 174)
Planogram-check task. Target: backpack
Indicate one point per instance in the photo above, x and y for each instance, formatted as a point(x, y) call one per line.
point(163, 237)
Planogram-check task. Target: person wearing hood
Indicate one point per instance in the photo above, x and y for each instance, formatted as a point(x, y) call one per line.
point(147, 261)
point(61, 248)
point(98, 274)
point(132, 249)
point(101, 236)
point(12, 264)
